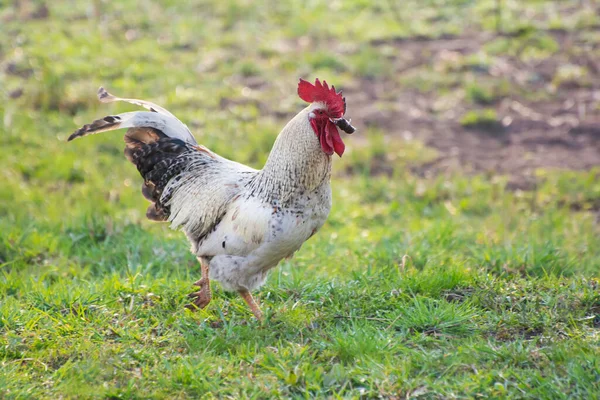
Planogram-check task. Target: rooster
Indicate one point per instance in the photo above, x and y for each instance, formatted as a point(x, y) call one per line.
point(240, 221)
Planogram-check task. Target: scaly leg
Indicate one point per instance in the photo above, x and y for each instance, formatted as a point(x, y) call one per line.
point(204, 295)
point(247, 296)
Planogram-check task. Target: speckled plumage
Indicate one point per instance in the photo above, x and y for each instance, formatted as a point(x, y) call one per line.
point(240, 221)
point(245, 221)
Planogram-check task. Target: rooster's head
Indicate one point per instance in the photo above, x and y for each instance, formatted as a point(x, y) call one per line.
point(326, 114)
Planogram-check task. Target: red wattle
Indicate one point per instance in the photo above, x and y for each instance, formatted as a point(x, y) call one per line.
point(338, 144)
point(328, 136)
point(327, 148)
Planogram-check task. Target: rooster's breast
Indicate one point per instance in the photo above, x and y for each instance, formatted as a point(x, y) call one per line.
point(269, 228)
point(294, 223)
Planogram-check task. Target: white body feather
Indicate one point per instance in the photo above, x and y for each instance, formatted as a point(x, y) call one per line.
point(263, 216)
point(240, 220)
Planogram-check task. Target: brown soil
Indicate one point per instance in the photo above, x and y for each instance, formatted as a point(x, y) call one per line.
point(560, 131)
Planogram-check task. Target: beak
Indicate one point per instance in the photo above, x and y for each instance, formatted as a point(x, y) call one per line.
point(344, 124)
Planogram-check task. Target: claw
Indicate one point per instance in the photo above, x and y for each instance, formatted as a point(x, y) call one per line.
point(203, 296)
point(201, 300)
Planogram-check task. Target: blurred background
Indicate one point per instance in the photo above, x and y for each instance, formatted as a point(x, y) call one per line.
point(462, 254)
point(495, 86)
point(504, 91)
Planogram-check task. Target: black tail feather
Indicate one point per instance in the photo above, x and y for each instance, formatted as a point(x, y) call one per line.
point(158, 162)
point(99, 125)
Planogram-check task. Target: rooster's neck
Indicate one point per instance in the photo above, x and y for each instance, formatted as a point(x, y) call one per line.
point(296, 164)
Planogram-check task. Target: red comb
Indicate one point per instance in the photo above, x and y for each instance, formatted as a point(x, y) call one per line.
point(321, 92)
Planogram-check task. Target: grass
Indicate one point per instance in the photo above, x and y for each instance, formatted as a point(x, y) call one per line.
point(498, 297)
point(486, 119)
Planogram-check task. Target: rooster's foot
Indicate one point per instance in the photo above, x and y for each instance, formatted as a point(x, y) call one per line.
point(201, 283)
point(202, 297)
point(201, 300)
point(253, 304)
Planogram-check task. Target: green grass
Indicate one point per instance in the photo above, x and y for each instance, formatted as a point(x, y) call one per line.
point(498, 297)
point(485, 119)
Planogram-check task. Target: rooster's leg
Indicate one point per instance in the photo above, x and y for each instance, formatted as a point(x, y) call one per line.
point(203, 296)
point(247, 296)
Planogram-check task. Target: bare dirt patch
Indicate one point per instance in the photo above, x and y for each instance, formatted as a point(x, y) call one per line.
point(545, 116)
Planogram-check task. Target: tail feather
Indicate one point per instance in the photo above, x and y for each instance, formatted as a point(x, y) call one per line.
point(148, 190)
point(158, 163)
point(168, 126)
point(156, 142)
point(157, 119)
point(155, 213)
point(108, 123)
point(106, 97)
